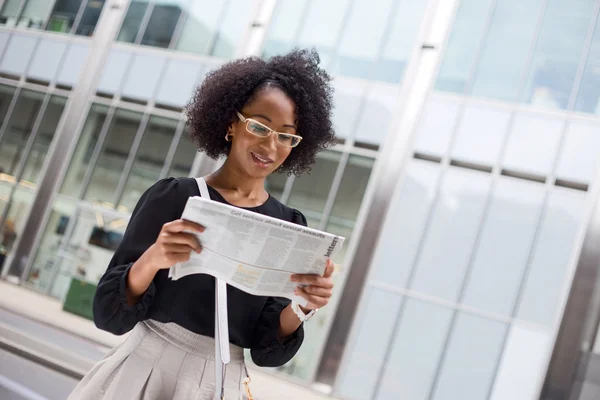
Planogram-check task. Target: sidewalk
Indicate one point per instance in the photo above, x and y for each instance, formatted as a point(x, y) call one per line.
point(30, 307)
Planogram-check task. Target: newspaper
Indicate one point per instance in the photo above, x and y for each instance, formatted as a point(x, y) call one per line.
point(254, 252)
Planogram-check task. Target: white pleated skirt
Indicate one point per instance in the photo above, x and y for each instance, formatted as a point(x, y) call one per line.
point(161, 361)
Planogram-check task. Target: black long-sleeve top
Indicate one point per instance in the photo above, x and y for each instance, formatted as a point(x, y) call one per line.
point(190, 301)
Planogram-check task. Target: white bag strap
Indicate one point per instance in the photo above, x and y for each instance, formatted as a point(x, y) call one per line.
point(221, 321)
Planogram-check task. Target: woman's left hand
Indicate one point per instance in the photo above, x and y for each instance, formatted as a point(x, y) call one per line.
point(318, 288)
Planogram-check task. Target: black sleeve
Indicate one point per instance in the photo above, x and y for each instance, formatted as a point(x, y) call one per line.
point(269, 350)
point(111, 311)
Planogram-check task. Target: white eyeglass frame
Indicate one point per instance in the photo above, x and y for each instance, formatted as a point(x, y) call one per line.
point(271, 131)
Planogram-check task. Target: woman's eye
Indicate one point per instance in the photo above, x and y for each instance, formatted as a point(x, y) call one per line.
point(259, 129)
point(285, 138)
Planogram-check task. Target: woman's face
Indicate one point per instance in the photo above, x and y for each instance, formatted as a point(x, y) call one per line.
point(259, 156)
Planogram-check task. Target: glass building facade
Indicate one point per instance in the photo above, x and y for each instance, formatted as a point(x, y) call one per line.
point(465, 174)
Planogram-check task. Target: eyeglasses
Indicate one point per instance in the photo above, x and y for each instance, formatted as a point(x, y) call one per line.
point(258, 129)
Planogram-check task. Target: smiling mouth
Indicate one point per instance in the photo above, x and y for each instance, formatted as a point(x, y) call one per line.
point(264, 161)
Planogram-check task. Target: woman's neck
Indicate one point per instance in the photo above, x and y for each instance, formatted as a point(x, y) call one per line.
point(236, 186)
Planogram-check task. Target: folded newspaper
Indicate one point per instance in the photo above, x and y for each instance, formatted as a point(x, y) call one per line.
point(254, 252)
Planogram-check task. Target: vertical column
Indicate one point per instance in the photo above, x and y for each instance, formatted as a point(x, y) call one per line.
point(395, 153)
point(67, 134)
point(575, 337)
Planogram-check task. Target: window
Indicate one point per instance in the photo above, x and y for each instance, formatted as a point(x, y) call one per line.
point(80, 161)
point(18, 130)
point(90, 17)
point(551, 77)
point(75, 16)
point(133, 20)
point(311, 190)
point(149, 159)
point(362, 38)
point(185, 154)
point(35, 13)
point(233, 28)
point(588, 99)
point(459, 57)
point(43, 139)
point(322, 25)
point(401, 40)
point(112, 158)
point(162, 23)
point(283, 27)
point(10, 12)
point(275, 184)
point(506, 49)
point(64, 15)
point(348, 199)
point(199, 26)
point(6, 96)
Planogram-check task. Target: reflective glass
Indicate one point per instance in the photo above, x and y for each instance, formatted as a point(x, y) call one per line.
point(472, 354)
point(401, 40)
point(9, 12)
point(18, 130)
point(506, 49)
point(283, 27)
point(310, 190)
point(113, 155)
point(43, 139)
point(181, 165)
point(348, 199)
point(322, 26)
point(81, 158)
point(588, 99)
point(234, 28)
point(149, 159)
point(444, 254)
point(461, 50)
point(200, 26)
point(560, 44)
point(162, 23)
point(90, 17)
point(275, 184)
point(133, 20)
point(35, 13)
point(63, 15)
point(362, 38)
point(16, 215)
point(6, 96)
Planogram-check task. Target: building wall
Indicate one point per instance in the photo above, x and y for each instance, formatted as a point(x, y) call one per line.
point(467, 282)
point(473, 268)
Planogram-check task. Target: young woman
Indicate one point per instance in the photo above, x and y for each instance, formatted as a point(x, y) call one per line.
point(265, 116)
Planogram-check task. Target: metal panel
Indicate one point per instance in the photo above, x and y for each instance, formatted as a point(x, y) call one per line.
point(114, 71)
point(18, 53)
point(143, 75)
point(46, 59)
point(73, 64)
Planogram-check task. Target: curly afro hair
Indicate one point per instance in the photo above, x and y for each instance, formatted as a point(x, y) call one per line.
point(227, 89)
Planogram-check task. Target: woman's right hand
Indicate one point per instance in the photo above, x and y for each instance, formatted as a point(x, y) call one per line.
point(173, 245)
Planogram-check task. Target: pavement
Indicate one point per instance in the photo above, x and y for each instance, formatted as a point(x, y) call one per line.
point(44, 351)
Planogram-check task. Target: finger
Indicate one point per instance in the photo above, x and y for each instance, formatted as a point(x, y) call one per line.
point(177, 248)
point(309, 279)
point(181, 238)
point(313, 301)
point(329, 269)
point(181, 225)
point(318, 291)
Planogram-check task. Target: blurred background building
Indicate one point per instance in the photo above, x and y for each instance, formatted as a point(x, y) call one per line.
point(465, 176)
